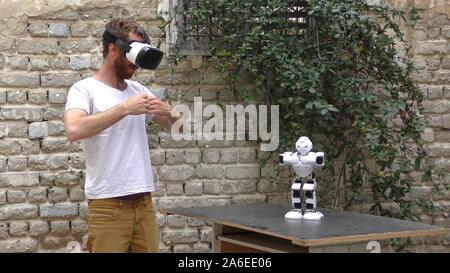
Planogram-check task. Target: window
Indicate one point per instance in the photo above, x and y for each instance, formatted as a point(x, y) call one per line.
point(197, 42)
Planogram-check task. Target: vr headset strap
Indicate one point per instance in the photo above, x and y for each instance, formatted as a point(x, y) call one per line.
point(144, 35)
point(123, 45)
point(113, 39)
point(109, 37)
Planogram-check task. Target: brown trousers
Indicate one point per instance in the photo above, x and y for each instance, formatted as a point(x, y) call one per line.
point(120, 226)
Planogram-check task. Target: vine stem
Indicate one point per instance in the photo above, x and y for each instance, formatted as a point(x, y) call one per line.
point(336, 194)
point(318, 44)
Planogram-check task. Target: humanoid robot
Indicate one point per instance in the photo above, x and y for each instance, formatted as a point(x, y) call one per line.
point(303, 190)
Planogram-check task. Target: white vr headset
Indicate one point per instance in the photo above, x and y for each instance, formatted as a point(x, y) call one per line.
point(143, 55)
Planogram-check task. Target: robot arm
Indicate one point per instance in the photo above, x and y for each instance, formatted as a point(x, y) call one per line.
point(289, 158)
point(317, 159)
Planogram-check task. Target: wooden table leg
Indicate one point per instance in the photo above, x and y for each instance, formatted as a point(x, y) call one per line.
point(216, 244)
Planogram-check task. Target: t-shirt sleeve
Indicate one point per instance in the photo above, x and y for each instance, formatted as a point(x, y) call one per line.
point(78, 98)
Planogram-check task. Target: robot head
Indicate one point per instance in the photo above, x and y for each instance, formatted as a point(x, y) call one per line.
point(303, 145)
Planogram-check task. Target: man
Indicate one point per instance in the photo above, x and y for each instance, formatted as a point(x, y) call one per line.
point(108, 112)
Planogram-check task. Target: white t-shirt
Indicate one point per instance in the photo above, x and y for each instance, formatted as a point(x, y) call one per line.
point(118, 158)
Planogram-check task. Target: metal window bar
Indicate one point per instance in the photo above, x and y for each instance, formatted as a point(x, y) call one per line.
point(197, 42)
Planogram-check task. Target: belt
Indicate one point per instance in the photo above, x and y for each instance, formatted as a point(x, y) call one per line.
point(121, 201)
point(133, 197)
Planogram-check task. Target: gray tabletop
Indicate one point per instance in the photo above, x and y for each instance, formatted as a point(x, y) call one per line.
point(336, 227)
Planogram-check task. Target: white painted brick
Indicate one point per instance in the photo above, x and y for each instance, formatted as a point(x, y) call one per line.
point(38, 130)
point(59, 210)
point(58, 30)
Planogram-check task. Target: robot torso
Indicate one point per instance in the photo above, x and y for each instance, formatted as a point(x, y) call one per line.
point(301, 169)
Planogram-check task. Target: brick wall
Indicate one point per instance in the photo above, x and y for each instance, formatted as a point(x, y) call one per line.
point(44, 50)
point(430, 43)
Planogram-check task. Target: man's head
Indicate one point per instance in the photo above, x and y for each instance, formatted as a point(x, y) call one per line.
point(126, 30)
point(121, 28)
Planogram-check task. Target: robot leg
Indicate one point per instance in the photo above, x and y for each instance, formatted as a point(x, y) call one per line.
point(311, 202)
point(296, 194)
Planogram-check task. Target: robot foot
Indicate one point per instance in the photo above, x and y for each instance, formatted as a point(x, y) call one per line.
point(296, 215)
point(313, 215)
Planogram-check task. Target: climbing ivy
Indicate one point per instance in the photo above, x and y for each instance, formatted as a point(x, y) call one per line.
point(341, 81)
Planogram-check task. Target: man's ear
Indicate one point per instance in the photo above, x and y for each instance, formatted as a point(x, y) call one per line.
point(114, 50)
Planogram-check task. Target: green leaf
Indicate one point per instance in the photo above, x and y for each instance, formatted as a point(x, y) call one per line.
point(331, 108)
point(417, 163)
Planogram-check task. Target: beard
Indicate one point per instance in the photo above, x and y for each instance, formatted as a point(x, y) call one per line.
point(124, 69)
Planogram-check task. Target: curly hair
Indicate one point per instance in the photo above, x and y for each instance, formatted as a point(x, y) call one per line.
point(120, 28)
